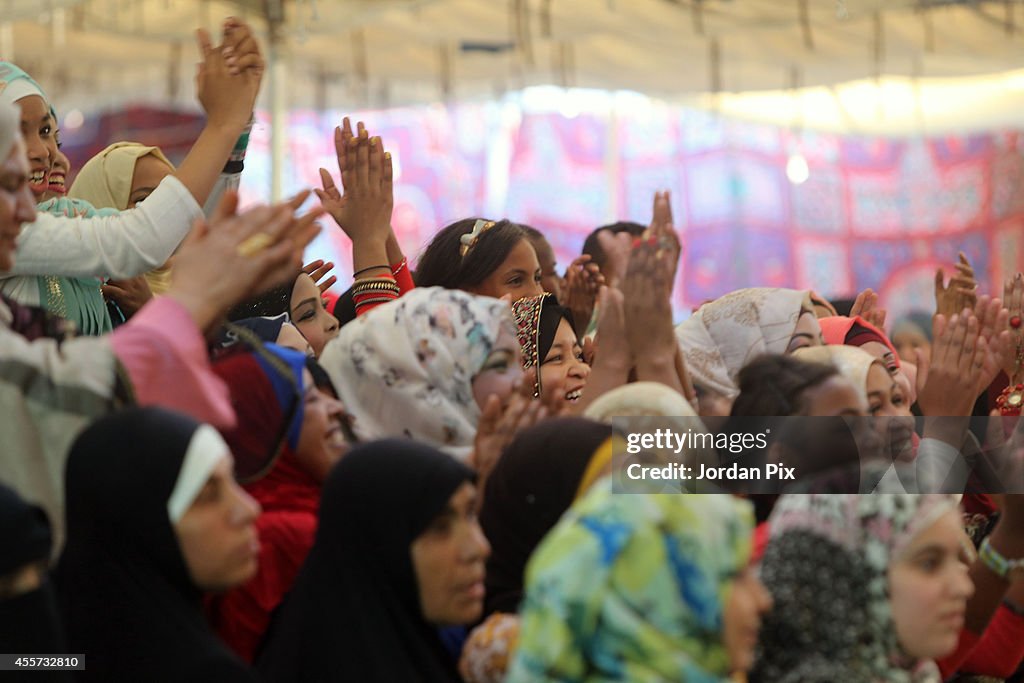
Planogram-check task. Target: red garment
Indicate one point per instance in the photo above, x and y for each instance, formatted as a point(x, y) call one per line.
point(403, 278)
point(287, 527)
point(998, 653)
point(761, 538)
point(288, 495)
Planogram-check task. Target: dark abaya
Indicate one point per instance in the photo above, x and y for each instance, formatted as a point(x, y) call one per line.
point(354, 612)
point(125, 592)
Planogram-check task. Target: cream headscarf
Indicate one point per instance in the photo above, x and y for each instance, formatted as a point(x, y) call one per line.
point(727, 333)
point(105, 181)
point(406, 368)
point(650, 399)
point(852, 362)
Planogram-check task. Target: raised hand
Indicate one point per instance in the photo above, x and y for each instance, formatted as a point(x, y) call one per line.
point(583, 280)
point(661, 231)
point(948, 382)
point(241, 50)
point(616, 247)
point(961, 292)
point(1013, 298)
point(317, 270)
point(498, 426)
point(647, 291)
point(993, 324)
point(866, 306)
point(364, 210)
point(229, 76)
point(258, 249)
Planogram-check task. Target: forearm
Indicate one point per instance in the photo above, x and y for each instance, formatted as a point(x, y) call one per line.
point(202, 167)
point(371, 256)
point(989, 589)
point(659, 369)
point(120, 246)
point(394, 250)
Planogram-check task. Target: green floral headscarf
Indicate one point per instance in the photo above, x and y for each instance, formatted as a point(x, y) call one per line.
point(632, 587)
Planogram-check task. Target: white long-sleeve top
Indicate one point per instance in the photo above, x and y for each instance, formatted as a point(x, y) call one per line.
point(128, 244)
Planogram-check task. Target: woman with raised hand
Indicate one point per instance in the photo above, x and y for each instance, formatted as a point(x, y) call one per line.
point(398, 553)
point(141, 239)
point(866, 588)
point(641, 587)
point(154, 520)
point(76, 299)
point(158, 358)
point(120, 177)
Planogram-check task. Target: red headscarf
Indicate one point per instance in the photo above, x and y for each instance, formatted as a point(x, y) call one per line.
point(290, 498)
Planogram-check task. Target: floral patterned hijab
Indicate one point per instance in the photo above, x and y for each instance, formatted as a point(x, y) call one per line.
point(632, 588)
point(406, 368)
point(724, 335)
point(826, 566)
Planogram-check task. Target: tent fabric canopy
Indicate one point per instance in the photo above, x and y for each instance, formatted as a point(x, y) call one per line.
point(375, 53)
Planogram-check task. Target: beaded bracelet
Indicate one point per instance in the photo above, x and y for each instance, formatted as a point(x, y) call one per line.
point(375, 287)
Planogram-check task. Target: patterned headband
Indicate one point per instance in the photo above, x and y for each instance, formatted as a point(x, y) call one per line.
point(526, 313)
point(468, 241)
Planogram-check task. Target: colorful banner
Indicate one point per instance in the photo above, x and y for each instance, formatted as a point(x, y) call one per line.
point(874, 212)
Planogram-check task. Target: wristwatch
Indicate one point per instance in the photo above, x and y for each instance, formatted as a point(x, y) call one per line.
point(1009, 570)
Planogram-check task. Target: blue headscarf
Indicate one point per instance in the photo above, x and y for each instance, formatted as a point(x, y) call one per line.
point(285, 386)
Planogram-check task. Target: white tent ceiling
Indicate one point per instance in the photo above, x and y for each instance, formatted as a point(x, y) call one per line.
point(356, 53)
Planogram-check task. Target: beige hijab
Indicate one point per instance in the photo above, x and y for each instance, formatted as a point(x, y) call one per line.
point(105, 181)
point(651, 399)
point(727, 333)
point(852, 362)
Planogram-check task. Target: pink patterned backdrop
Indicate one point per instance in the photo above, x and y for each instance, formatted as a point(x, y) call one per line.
point(875, 212)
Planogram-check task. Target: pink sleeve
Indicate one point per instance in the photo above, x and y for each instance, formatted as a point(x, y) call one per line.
point(166, 358)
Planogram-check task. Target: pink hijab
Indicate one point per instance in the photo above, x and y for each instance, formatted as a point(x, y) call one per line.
point(837, 330)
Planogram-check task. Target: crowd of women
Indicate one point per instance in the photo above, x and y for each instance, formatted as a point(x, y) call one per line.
point(215, 469)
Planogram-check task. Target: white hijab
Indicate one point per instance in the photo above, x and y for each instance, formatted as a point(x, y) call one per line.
point(724, 335)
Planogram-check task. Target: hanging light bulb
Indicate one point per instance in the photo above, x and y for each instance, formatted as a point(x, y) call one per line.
point(796, 168)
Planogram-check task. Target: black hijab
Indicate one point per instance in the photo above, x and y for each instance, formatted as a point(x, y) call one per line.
point(533, 484)
point(29, 622)
point(128, 601)
point(354, 612)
